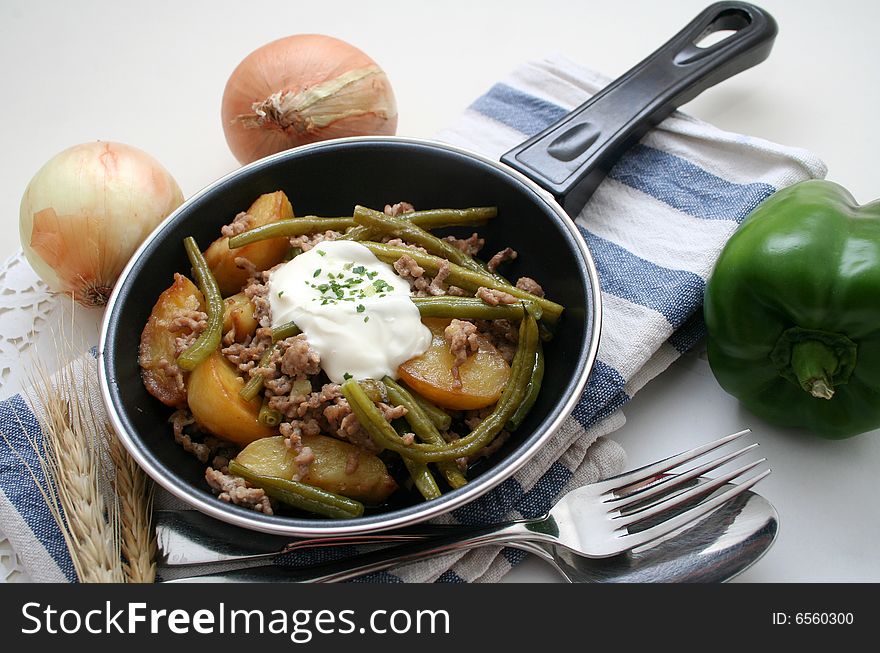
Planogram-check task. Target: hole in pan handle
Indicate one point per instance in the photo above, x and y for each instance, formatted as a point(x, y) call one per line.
point(571, 157)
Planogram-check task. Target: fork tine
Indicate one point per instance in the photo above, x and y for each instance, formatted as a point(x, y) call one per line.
point(683, 497)
point(649, 471)
point(634, 540)
point(669, 483)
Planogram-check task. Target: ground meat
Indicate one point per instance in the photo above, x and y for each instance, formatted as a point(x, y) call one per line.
point(502, 334)
point(421, 284)
point(298, 358)
point(391, 412)
point(203, 450)
point(407, 267)
point(506, 254)
point(241, 223)
point(257, 290)
point(303, 460)
point(325, 411)
point(173, 371)
point(236, 490)
point(246, 355)
point(196, 321)
point(470, 246)
point(307, 241)
point(408, 438)
point(436, 286)
point(399, 209)
point(495, 297)
point(455, 291)
point(244, 263)
point(530, 285)
point(397, 242)
point(336, 412)
point(180, 419)
point(191, 324)
point(461, 336)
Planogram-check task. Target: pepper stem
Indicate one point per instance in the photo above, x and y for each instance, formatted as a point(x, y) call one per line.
point(814, 363)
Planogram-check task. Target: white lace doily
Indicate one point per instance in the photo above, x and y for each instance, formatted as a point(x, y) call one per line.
point(32, 320)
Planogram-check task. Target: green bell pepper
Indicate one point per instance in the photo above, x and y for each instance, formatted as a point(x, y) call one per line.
point(792, 311)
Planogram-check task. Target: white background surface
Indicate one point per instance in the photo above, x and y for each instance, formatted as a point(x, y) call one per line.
point(152, 74)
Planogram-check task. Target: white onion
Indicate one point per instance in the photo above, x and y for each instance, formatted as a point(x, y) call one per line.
point(301, 89)
point(87, 210)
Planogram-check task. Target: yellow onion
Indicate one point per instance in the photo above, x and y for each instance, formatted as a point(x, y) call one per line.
point(87, 210)
point(301, 89)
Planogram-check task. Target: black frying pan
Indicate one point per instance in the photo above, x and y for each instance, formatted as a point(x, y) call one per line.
point(569, 160)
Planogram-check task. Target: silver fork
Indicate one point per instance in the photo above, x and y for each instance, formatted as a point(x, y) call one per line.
point(596, 521)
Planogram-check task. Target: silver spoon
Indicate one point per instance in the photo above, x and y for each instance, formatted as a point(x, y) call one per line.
point(717, 548)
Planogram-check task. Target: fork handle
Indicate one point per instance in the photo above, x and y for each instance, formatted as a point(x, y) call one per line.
point(461, 538)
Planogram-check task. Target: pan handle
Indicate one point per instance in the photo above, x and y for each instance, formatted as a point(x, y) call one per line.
point(571, 157)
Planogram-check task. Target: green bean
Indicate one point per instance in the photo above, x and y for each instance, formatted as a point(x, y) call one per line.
point(383, 434)
point(439, 417)
point(472, 308)
point(412, 233)
point(300, 495)
point(292, 227)
point(269, 416)
point(286, 330)
point(255, 384)
point(462, 277)
point(433, 219)
point(475, 216)
point(424, 428)
point(534, 387)
point(422, 479)
point(209, 339)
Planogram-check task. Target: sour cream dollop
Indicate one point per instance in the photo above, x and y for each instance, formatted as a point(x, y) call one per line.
point(355, 312)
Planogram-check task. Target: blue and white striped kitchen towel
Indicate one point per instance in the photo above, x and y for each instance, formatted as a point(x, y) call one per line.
point(655, 227)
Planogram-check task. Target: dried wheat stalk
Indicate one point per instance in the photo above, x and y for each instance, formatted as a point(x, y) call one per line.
point(72, 464)
point(135, 492)
point(79, 456)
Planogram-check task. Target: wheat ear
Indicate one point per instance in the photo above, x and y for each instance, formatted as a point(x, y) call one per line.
point(71, 462)
point(135, 492)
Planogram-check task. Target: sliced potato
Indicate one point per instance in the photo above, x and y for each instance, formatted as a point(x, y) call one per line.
point(338, 467)
point(157, 352)
point(238, 317)
point(212, 395)
point(265, 254)
point(483, 375)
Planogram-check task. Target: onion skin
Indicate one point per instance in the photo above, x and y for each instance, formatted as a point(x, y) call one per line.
point(87, 210)
point(302, 89)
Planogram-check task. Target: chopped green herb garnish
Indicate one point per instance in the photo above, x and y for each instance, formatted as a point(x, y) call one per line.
point(317, 272)
point(321, 252)
point(346, 376)
point(360, 308)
